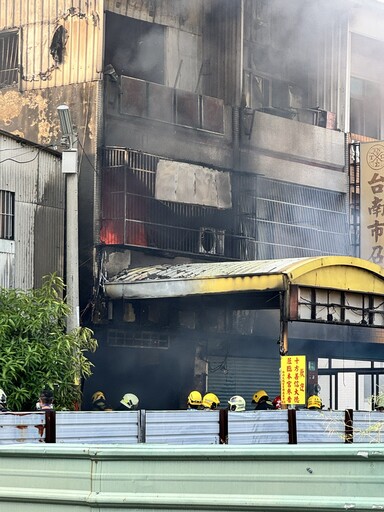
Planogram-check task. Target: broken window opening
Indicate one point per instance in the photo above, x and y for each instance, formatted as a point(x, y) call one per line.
point(59, 41)
point(135, 48)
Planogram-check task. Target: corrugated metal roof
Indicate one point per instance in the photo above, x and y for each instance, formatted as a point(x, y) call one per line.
point(333, 272)
point(206, 270)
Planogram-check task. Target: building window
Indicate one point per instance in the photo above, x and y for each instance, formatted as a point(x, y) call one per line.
point(365, 108)
point(135, 48)
point(7, 215)
point(265, 219)
point(9, 49)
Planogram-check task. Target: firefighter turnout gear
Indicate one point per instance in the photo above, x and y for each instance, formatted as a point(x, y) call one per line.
point(130, 401)
point(277, 402)
point(314, 402)
point(99, 402)
point(379, 405)
point(262, 401)
point(236, 403)
point(210, 401)
point(194, 400)
point(259, 394)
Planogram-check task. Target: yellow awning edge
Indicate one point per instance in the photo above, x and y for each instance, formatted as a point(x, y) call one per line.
point(344, 273)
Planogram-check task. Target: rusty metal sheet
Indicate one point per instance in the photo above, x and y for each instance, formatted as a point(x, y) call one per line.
point(22, 427)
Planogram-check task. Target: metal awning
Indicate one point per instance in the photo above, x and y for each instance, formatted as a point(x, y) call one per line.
point(330, 272)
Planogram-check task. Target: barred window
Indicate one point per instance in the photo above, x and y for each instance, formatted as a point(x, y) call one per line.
point(9, 49)
point(7, 215)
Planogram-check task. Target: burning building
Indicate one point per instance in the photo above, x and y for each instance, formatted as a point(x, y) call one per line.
point(209, 131)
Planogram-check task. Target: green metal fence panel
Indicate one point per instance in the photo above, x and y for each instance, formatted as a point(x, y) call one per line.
point(76, 478)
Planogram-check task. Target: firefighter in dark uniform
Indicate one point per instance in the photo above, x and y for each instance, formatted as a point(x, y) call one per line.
point(99, 402)
point(262, 401)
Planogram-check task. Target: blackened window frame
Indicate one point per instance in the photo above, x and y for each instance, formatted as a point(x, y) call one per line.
point(126, 46)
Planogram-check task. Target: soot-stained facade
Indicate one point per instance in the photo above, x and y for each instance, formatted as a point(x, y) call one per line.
point(212, 130)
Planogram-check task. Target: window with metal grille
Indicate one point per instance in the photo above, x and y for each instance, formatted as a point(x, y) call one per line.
point(122, 338)
point(7, 215)
point(9, 50)
point(268, 219)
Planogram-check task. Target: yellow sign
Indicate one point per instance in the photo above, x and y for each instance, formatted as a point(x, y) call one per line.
point(293, 380)
point(372, 202)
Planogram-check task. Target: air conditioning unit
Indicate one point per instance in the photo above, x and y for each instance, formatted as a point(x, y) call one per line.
point(211, 241)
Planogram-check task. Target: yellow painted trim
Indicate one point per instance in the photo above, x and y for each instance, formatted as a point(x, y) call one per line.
point(240, 284)
point(300, 268)
point(341, 273)
point(343, 278)
point(328, 272)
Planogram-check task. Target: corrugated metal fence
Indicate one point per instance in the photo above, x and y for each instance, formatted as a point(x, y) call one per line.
point(192, 427)
point(23, 427)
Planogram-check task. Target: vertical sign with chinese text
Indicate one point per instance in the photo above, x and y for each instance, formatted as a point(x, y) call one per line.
point(293, 380)
point(372, 202)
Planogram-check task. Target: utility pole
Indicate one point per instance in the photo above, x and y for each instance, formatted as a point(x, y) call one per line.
point(70, 170)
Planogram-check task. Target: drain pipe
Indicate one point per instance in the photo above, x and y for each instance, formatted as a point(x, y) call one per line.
point(236, 109)
point(236, 137)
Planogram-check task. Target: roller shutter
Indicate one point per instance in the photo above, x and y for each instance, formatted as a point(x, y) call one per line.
point(243, 376)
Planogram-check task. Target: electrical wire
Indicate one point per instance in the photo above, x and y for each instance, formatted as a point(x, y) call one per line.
point(28, 144)
point(18, 162)
point(11, 159)
point(86, 156)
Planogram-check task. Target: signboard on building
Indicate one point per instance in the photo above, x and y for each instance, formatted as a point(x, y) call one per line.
point(372, 202)
point(293, 380)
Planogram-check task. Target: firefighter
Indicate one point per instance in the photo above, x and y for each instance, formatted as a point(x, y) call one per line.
point(314, 403)
point(277, 402)
point(130, 402)
point(236, 403)
point(210, 401)
point(45, 402)
point(262, 401)
point(194, 401)
point(99, 402)
point(379, 405)
point(3, 401)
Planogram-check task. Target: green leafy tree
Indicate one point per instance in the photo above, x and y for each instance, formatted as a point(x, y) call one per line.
point(35, 350)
